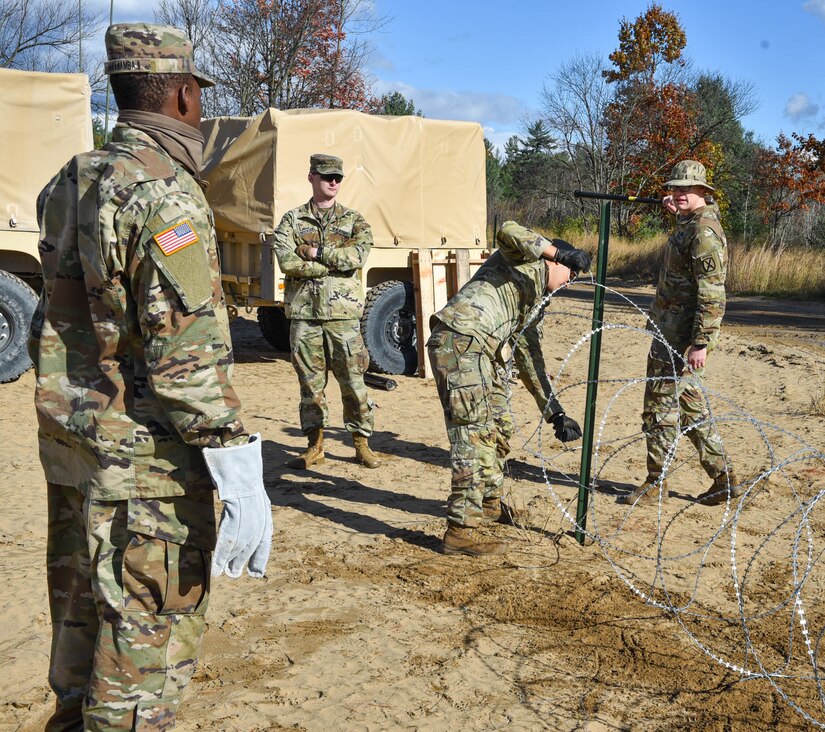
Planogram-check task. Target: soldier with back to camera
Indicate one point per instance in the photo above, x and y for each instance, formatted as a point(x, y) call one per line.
point(138, 420)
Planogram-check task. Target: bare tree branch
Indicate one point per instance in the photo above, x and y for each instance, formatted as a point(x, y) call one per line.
point(35, 33)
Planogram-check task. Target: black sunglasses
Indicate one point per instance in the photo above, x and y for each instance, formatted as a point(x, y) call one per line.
point(331, 177)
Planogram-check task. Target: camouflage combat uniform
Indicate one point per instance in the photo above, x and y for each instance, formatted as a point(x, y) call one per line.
point(324, 302)
point(687, 309)
point(133, 360)
point(470, 339)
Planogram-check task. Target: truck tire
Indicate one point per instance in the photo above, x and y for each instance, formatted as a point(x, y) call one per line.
point(274, 327)
point(388, 328)
point(17, 304)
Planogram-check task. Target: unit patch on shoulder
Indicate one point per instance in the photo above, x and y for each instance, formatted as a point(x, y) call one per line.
point(708, 263)
point(176, 237)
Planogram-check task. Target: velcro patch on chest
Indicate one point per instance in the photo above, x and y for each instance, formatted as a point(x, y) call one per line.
point(344, 231)
point(176, 237)
point(679, 241)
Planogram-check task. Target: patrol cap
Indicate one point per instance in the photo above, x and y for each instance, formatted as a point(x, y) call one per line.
point(689, 173)
point(326, 164)
point(150, 49)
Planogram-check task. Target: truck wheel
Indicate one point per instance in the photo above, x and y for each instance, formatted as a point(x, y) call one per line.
point(17, 304)
point(274, 327)
point(388, 328)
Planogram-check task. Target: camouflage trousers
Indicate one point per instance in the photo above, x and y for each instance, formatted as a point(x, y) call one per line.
point(478, 419)
point(128, 588)
point(318, 346)
point(671, 404)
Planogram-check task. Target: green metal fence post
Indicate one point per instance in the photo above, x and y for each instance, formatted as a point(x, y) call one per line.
point(593, 372)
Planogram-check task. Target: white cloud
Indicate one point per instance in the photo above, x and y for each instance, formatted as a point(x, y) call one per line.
point(800, 107)
point(815, 7)
point(380, 62)
point(461, 105)
point(499, 137)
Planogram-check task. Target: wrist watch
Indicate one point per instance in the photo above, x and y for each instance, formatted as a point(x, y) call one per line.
point(319, 252)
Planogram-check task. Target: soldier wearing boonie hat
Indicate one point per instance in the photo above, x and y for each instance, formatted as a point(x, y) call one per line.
point(138, 420)
point(687, 310)
point(134, 48)
point(689, 173)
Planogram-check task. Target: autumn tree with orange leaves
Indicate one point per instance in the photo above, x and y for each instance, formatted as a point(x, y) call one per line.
point(290, 54)
point(653, 121)
point(653, 39)
point(791, 180)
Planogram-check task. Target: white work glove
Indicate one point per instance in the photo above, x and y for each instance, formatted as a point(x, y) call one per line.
point(245, 532)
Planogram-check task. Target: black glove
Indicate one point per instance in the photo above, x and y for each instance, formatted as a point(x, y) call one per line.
point(566, 429)
point(576, 260)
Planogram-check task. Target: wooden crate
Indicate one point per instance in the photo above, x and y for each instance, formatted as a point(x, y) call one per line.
point(438, 275)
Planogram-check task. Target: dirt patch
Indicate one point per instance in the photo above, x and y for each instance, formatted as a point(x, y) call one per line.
point(362, 624)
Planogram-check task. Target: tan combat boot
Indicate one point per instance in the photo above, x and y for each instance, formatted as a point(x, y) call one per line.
point(718, 492)
point(490, 510)
point(363, 454)
point(314, 454)
point(647, 493)
point(464, 540)
point(494, 511)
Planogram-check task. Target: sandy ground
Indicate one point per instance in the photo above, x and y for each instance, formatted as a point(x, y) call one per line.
point(669, 618)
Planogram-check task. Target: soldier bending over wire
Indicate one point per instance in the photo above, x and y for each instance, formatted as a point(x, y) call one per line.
point(467, 339)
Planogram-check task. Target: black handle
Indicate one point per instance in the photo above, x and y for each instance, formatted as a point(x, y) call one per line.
point(615, 197)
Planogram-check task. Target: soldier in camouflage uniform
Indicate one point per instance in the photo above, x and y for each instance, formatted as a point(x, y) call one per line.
point(687, 310)
point(135, 407)
point(321, 247)
point(470, 336)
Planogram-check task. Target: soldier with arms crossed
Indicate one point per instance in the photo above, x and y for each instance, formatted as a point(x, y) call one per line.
point(138, 420)
point(687, 310)
point(321, 247)
point(468, 338)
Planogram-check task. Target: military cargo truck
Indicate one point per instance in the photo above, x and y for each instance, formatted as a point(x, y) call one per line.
point(45, 119)
point(419, 183)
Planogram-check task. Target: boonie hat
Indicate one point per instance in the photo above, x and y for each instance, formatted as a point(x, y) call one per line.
point(689, 173)
point(150, 49)
point(326, 164)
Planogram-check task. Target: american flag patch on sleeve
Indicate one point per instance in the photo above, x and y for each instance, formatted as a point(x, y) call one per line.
point(176, 238)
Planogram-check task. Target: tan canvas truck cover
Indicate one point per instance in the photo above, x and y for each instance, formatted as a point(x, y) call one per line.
point(45, 119)
point(418, 182)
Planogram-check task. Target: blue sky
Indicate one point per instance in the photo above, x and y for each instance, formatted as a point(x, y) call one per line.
point(486, 61)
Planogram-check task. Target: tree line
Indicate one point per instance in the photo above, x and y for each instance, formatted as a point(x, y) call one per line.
point(620, 124)
point(612, 125)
